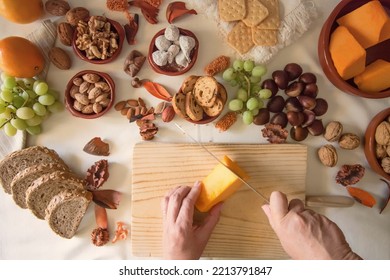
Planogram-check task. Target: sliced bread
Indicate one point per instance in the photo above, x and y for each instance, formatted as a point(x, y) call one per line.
point(66, 210)
point(43, 189)
point(22, 181)
point(20, 160)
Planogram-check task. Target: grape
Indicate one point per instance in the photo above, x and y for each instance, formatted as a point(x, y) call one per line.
point(56, 107)
point(25, 113)
point(242, 94)
point(18, 101)
point(255, 111)
point(34, 121)
point(39, 109)
point(41, 88)
point(233, 83)
point(255, 89)
point(249, 65)
point(46, 99)
point(2, 122)
point(34, 130)
point(53, 92)
point(2, 108)
point(7, 114)
point(259, 71)
point(9, 82)
point(228, 74)
point(9, 129)
point(252, 103)
point(19, 124)
point(255, 80)
point(238, 65)
point(236, 105)
point(265, 93)
point(4, 76)
point(247, 117)
point(261, 104)
point(29, 83)
point(31, 93)
point(7, 95)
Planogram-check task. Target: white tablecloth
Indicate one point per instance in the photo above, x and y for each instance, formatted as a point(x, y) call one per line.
point(22, 236)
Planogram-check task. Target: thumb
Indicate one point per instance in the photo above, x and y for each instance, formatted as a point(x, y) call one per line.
point(267, 211)
point(210, 222)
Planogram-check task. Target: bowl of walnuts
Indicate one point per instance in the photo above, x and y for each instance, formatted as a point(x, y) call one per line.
point(89, 94)
point(377, 143)
point(98, 40)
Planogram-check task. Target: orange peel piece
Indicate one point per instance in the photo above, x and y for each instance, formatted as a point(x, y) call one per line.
point(361, 196)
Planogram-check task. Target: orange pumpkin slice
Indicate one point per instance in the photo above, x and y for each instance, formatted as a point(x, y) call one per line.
point(157, 90)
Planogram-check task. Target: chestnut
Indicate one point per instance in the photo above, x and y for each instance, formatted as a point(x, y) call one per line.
point(308, 78)
point(280, 119)
point(271, 85)
point(292, 104)
point(299, 133)
point(309, 118)
point(276, 104)
point(281, 78)
point(294, 89)
point(316, 128)
point(307, 102)
point(310, 90)
point(262, 117)
point(295, 118)
point(321, 107)
point(293, 71)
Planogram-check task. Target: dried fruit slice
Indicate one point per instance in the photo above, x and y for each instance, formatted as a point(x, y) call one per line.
point(361, 196)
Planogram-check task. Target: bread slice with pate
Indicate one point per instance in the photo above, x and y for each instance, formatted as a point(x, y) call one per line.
point(43, 189)
point(20, 160)
point(22, 181)
point(66, 210)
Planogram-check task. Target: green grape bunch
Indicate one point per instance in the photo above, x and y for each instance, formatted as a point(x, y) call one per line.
point(250, 97)
point(25, 103)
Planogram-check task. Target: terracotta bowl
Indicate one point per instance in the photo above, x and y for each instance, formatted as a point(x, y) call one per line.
point(379, 51)
point(173, 70)
point(116, 27)
point(69, 100)
point(370, 143)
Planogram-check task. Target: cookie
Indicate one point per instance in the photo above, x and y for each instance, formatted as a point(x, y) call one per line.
point(240, 38)
point(214, 110)
point(179, 104)
point(273, 19)
point(231, 10)
point(256, 13)
point(188, 84)
point(205, 91)
point(264, 37)
point(193, 109)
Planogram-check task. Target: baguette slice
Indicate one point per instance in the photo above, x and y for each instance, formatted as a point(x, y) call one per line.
point(66, 210)
point(43, 189)
point(26, 177)
point(20, 160)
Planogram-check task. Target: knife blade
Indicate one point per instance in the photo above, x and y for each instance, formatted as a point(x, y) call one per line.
point(220, 162)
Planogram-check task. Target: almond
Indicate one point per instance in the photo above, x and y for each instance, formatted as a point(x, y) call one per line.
point(60, 58)
point(168, 114)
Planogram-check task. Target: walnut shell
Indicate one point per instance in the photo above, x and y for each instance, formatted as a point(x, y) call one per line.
point(57, 7)
point(65, 33)
point(333, 131)
point(73, 16)
point(328, 155)
point(382, 133)
point(60, 58)
point(349, 141)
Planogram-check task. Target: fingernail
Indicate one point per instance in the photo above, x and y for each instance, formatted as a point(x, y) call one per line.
point(197, 184)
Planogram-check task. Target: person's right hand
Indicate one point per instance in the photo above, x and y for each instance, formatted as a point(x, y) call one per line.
point(305, 234)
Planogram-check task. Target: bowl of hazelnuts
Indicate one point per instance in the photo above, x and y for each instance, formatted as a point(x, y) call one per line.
point(377, 143)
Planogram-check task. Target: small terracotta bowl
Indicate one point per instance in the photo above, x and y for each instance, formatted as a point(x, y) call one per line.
point(370, 143)
point(115, 27)
point(69, 100)
point(173, 70)
point(381, 50)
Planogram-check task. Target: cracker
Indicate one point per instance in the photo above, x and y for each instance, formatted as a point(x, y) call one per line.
point(205, 91)
point(264, 37)
point(179, 104)
point(240, 38)
point(214, 110)
point(231, 10)
point(193, 109)
point(256, 13)
point(273, 19)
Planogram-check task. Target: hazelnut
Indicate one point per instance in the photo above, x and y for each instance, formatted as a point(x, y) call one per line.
point(386, 164)
point(333, 131)
point(349, 141)
point(382, 133)
point(328, 155)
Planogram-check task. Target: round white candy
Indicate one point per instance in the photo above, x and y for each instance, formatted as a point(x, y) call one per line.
point(173, 50)
point(172, 33)
point(161, 43)
point(181, 60)
point(160, 58)
point(187, 43)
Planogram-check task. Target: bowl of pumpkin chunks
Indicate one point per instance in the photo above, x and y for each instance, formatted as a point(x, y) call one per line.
point(353, 48)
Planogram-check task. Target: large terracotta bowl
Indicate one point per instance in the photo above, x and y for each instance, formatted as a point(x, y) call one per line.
point(379, 51)
point(370, 144)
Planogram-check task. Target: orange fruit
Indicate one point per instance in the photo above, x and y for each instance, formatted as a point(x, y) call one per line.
point(20, 58)
point(21, 11)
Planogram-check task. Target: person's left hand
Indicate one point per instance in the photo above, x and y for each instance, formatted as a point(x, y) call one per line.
point(181, 238)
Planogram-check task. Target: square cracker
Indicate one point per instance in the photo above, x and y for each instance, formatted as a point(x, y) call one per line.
point(256, 13)
point(240, 38)
point(232, 10)
point(264, 37)
point(273, 19)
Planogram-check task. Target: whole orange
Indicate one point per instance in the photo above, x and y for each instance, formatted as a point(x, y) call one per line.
point(20, 58)
point(21, 11)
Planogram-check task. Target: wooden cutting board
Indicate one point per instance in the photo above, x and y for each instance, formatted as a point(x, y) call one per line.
point(243, 230)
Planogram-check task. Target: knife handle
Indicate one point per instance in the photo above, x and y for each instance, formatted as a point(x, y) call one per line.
point(329, 201)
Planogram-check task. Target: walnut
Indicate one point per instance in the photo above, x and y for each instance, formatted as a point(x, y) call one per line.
point(100, 236)
point(333, 131)
point(350, 174)
point(328, 155)
point(380, 151)
point(349, 141)
point(147, 130)
point(386, 164)
point(97, 174)
point(274, 133)
point(382, 133)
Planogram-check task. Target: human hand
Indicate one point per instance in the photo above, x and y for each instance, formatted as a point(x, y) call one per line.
point(181, 238)
point(303, 233)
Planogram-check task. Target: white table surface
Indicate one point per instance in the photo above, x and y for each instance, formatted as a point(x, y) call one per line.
point(22, 236)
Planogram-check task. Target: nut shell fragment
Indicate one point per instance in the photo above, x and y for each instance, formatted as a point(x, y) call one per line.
point(96, 146)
